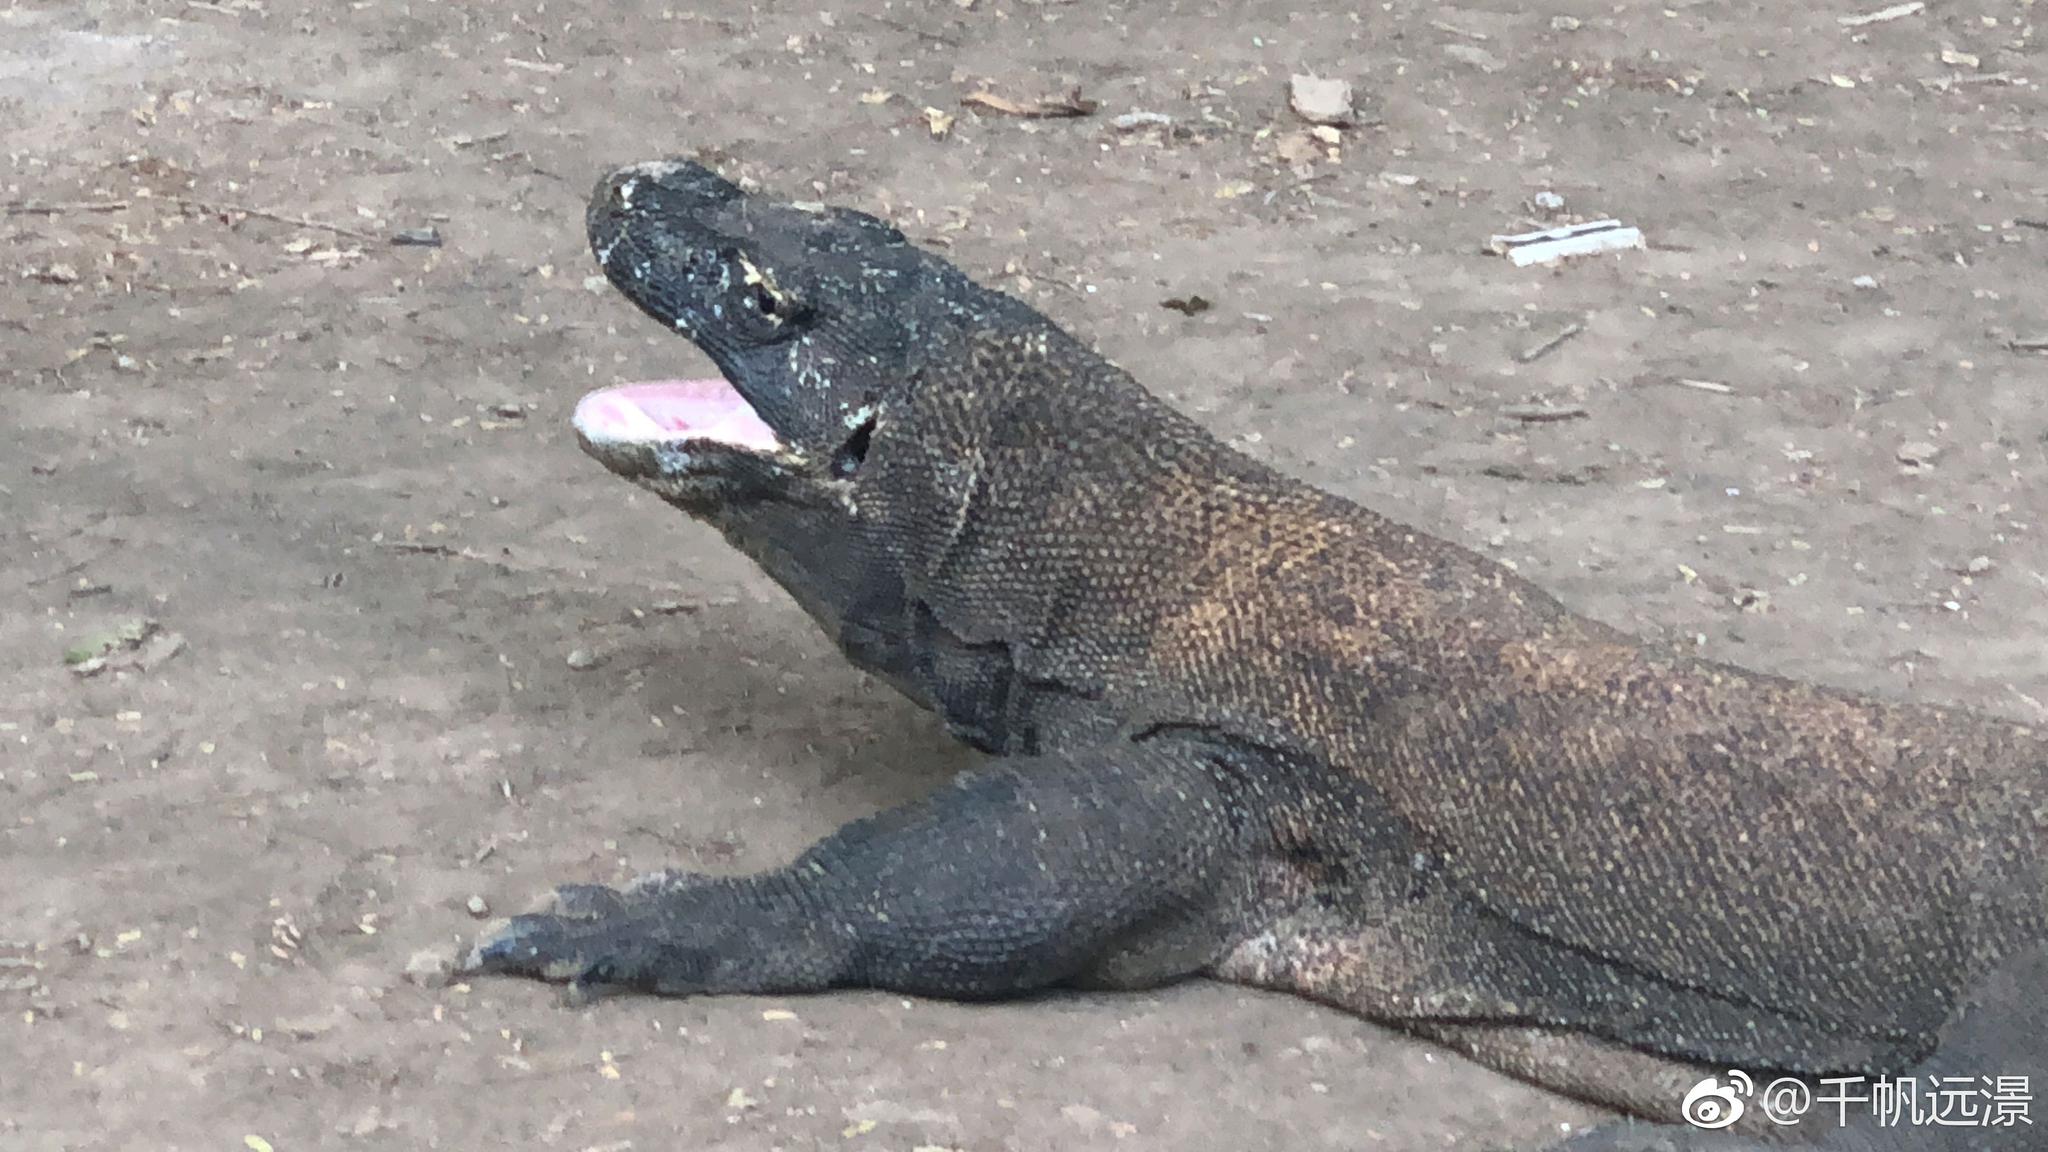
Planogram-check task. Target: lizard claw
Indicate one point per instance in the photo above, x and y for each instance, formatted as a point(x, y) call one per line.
point(546, 943)
point(539, 945)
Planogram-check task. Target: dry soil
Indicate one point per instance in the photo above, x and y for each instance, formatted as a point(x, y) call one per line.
point(1801, 430)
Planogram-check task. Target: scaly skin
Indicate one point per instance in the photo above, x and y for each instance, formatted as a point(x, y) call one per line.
point(1996, 1033)
point(1252, 730)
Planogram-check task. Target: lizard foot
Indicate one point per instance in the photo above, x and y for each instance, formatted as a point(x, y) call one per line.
point(623, 949)
point(593, 937)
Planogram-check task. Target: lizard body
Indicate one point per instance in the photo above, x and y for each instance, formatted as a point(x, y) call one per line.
point(1250, 729)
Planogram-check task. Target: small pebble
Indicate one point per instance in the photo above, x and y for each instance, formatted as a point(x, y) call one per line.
point(431, 967)
point(478, 908)
point(1320, 100)
point(583, 659)
point(1979, 565)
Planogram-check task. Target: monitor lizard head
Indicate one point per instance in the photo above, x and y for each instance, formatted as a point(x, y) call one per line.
point(874, 408)
point(818, 320)
point(814, 315)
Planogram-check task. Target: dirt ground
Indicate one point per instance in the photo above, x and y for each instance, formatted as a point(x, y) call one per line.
point(1802, 430)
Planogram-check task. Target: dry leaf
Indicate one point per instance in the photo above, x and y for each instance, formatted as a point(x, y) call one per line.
point(1918, 454)
point(1296, 147)
point(939, 122)
point(1475, 56)
point(1045, 108)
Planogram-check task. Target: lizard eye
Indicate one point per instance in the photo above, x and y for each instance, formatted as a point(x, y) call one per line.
point(783, 312)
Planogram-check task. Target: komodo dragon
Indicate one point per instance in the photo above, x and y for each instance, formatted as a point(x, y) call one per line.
point(1249, 729)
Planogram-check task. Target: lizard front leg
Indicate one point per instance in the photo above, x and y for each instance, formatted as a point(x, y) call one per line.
point(1115, 865)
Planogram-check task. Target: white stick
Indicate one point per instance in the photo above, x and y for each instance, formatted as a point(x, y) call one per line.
point(1881, 15)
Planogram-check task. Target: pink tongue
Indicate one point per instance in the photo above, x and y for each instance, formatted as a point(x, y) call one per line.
point(664, 410)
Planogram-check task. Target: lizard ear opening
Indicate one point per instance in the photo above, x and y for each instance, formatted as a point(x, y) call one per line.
point(854, 452)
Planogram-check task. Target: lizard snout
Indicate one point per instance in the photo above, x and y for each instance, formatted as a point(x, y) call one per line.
point(672, 190)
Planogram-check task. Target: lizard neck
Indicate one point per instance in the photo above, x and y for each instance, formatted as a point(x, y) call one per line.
point(1048, 515)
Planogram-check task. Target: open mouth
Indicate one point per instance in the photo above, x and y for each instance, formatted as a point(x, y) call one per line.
point(668, 411)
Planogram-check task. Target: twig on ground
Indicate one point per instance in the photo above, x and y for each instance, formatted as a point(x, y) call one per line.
point(60, 207)
point(1545, 347)
point(280, 217)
